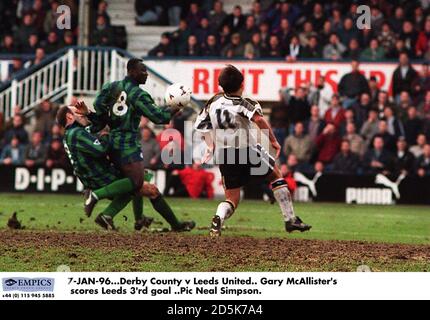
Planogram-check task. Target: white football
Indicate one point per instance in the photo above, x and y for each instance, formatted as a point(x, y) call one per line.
point(177, 95)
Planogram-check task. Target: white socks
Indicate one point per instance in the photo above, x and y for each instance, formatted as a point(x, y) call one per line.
point(225, 210)
point(283, 196)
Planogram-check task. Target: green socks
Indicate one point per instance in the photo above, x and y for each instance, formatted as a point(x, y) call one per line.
point(114, 189)
point(162, 207)
point(116, 205)
point(138, 207)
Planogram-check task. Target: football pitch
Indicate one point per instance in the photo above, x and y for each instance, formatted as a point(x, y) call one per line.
point(343, 237)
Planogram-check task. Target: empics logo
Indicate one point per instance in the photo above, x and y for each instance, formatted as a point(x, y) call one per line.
point(28, 284)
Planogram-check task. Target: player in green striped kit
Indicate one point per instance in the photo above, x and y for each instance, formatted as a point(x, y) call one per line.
point(88, 156)
point(120, 105)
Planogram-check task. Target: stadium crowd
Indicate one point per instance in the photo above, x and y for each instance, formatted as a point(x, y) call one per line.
point(29, 32)
point(359, 130)
point(292, 30)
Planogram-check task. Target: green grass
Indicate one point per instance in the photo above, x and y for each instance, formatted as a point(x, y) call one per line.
point(63, 213)
point(391, 224)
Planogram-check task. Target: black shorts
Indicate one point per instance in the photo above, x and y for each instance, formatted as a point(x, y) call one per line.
point(239, 166)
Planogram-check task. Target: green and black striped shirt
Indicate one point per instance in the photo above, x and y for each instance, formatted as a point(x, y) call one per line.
point(88, 156)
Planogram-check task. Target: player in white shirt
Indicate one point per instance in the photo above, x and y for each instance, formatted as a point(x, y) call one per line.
point(235, 131)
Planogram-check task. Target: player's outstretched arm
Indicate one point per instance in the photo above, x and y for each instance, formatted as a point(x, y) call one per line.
point(147, 107)
point(262, 123)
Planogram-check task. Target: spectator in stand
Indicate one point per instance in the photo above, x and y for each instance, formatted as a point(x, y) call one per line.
point(38, 57)
point(217, 16)
point(312, 50)
point(299, 144)
point(356, 142)
point(248, 30)
point(315, 125)
point(352, 85)
point(294, 49)
point(403, 77)
point(298, 107)
point(336, 21)
point(150, 149)
point(422, 165)
point(320, 94)
point(164, 48)
point(422, 45)
point(353, 51)
point(236, 20)
point(378, 159)
point(203, 31)
point(348, 32)
point(335, 49)
point(38, 14)
point(234, 49)
point(56, 156)
point(361, 109)
point(102, 35)
point(386, 38)
point(374, 52)
point(346, 161)
point(374, 89)
point(376, 19)
point(13, 153)
point(8, 45)
point(257, 12)
point(328, 144)
point(22, 33)
point(180, 36)
point(381, 103)
point(56, 133)
point(413, 126)
point(45, 114)
point(318, 16)
point(194, 16)
point(421, 83)
point(325, 33)
point(397, 21)
point(279, 120)
point(418, 149)
point(192, 49)
point(404, 160)
point(68, 39)
point(284, 33)
point(307, 33)
point(399, 48)
point(52, 44)
point(335, 114)
point(394, 125)
point(253, 48)
point(36, 152)
point(274, 50)
point(409, 36)
point(17, 131)
point(389, 139)
point(148, 12)
point(31, 45)
point(224, 36)
point(264, 35)
point(370, 127)
point(102, 11)
point(424, 107)
point(210, 47)
point(50, 23)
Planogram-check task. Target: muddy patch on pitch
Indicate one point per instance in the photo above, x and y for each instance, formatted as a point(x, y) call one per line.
point(201, 253)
